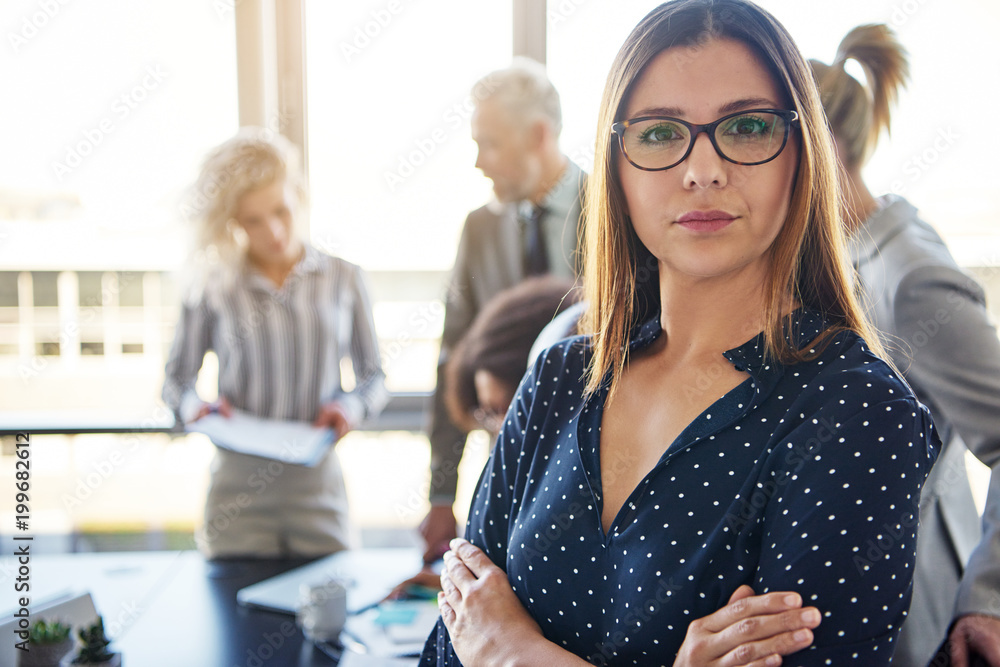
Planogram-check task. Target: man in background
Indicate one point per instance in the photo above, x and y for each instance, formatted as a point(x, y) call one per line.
point(531, 229)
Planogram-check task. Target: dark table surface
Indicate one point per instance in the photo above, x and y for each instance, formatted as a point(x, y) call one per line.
point(176, 608)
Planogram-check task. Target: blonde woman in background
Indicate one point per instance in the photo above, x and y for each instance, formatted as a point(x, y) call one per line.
point(936, 326)
point(281, 316)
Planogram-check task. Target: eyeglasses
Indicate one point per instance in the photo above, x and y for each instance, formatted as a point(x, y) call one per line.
point(655, 143)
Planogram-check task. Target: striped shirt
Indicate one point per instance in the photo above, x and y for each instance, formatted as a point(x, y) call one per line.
point(280, 349)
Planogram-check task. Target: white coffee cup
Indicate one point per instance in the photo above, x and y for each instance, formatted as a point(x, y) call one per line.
point(322, 610)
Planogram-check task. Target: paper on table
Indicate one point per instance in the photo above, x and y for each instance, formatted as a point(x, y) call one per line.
point(351, 659)
point(295, 442)
point(394, 628)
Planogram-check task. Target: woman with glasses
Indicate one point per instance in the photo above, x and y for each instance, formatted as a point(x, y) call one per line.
point(939, 333)
point(724, 472)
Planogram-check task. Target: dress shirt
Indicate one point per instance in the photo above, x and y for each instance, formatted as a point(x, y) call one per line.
point(805, 477)
point(559, 221)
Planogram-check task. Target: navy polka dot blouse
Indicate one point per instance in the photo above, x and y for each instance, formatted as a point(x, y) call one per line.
point(804, 478)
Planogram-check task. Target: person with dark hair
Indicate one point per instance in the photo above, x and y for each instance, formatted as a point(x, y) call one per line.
point(938, 331)
point(695, 481)
point(489, 362)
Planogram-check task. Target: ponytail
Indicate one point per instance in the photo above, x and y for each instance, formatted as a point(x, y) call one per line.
point(858, 113)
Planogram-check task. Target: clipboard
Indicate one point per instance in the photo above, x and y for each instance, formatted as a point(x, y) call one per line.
point(295, 442)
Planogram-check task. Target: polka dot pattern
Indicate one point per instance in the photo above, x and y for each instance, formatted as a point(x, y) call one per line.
point(805, 477)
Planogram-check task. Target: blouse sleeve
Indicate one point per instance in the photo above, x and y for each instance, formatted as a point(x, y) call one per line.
point(493, 503)
point(192, 339)
point(510, 464)
point(840, 525)
point(369, 395)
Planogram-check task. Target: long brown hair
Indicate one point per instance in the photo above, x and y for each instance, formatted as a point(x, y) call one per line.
point(808, 257)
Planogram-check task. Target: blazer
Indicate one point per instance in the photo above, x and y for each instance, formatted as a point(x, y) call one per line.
point(936, 328)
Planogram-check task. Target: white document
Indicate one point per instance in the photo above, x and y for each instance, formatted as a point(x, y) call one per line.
point(294, 442)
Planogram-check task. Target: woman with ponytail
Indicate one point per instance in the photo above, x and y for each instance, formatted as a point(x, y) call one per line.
point(935, 326)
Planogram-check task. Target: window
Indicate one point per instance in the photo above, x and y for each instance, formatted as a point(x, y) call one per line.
point(934, 146)
point(584, 37)
point(45, 289)
point(100, 152)
point(8, 313)
point(111, 106)
point(391, 160)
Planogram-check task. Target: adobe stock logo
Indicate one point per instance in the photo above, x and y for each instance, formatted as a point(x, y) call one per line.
point(919, 163)
point(364, 34)
point(904, 11)
point(559, 13)
point(32, 24)
point(454, 117)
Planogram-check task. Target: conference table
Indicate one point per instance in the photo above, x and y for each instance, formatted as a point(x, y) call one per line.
point(178, 609)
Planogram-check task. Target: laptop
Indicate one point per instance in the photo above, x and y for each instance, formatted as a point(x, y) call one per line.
point(368, 575)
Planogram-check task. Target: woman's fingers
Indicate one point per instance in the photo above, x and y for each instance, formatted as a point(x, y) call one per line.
point(467, 569)
point(766, 626)
point(767, 637)
point(768, 651)
point(743, 591)
point(466, 563)
point(742, 606)
point(449, 588)
point(472, 557)
point(447, 611)
point(456, 575)
point(751, 630)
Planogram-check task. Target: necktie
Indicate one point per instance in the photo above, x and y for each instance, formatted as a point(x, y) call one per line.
point(536, 261)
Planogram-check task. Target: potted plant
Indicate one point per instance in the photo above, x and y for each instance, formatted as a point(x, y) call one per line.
point(94, 649)
point(48, 642)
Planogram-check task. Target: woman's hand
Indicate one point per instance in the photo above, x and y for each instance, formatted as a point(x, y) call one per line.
point(221, 406)
point(334, 416)
point(483, 615)
point(753, 630)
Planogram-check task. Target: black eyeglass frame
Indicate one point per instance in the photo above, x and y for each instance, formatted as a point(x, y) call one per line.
point(790, 117)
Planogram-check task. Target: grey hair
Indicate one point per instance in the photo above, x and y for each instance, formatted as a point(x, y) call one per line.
point(524, 90)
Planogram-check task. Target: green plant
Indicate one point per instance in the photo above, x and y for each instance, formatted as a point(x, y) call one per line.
point(47, 632)
point(95, 644)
